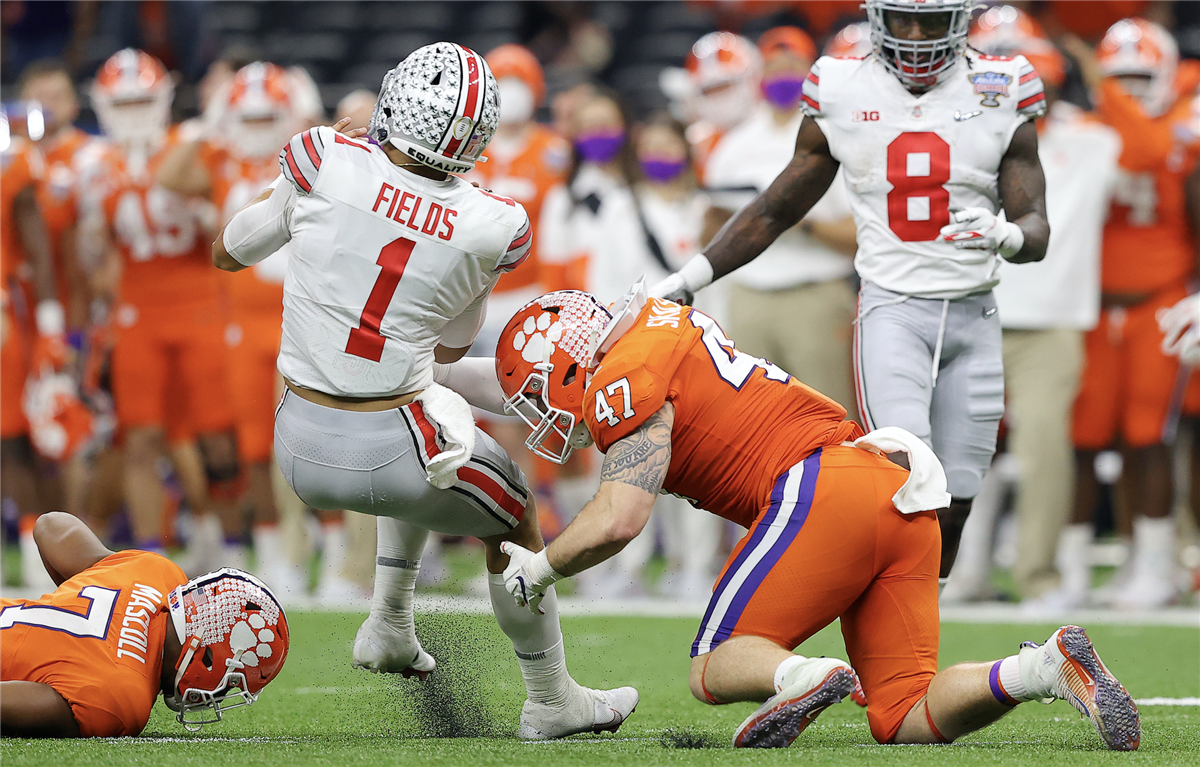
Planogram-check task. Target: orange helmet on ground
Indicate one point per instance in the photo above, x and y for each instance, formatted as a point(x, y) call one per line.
point(235, 640)
point(1008, 31)
point(852, 42)
point(1144, 55)
point(132, 96)
point(260, 110)
point(542, 360)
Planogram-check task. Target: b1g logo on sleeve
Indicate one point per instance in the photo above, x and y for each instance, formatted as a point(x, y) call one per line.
point(990, 85)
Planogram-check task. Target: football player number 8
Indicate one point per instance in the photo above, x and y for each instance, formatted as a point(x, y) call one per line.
point(365, 340)
point(93, 623)
point(918, 164)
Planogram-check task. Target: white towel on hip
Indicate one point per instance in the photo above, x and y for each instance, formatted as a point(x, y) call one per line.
point(452, 416)
point(925, 488)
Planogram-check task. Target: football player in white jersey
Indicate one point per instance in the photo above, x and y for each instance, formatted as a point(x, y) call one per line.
point(939, 152)
point(393, 259)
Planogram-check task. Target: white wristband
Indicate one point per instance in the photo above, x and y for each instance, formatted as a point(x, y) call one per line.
point(1012, 243)
point(540, 570)
point(697, 273)
point(51, 321)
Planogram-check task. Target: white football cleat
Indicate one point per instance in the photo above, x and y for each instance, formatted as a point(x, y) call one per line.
point(587, 710)
point(1068, 668)
point(379, 647)
point(808, 689)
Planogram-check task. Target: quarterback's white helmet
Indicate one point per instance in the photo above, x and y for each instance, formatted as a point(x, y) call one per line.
point(918, 63)
point(439, 106)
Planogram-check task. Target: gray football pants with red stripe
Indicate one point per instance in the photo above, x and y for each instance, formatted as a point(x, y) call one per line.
point(936, 368)
point(374, 463)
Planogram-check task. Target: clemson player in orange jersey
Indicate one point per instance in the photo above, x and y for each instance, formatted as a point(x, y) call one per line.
point(1147, 259)
point(836, 529)
point(229, 170)
point(168, 362)
point(24, 253)
point(89, 659)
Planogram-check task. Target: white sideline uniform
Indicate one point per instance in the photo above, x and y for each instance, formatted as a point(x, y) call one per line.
point(385, 266)
point(927, 343)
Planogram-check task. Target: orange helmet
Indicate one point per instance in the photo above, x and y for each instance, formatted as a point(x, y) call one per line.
point(1140, 48)
point(724, 69)
point(235, 640)
point(132, 96)
point(543, 359)
point(512, 60)
point(852, 42)
point(260, 110)
point(1007, 31)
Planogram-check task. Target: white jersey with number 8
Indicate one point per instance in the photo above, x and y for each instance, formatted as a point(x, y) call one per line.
point(385, 266)
point(909, 158)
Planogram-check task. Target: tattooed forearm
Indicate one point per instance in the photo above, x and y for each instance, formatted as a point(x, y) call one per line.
point(780, 207)
point(642, 458)
point(1023, 193)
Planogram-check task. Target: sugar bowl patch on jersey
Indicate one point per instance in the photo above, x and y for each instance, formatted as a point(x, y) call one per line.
point(909, 159)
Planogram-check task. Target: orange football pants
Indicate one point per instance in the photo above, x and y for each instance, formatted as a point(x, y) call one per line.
point(1128, 383)
point(169, 369)
point(831, 545)
point(253, 348)
point(13, 370)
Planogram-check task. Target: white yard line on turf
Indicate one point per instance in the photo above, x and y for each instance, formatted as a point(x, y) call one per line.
point(1168, 701)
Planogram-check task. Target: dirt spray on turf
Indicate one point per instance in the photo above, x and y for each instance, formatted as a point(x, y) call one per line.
point(453, 701)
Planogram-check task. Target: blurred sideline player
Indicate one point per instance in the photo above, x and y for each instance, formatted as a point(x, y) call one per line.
point(392, 262)
point(525, 161)
point(1131, 390)
point(804, 275)
point(836, 530)
point(89, 659)
point(852, 42)
point(229, 165)
point(724, 69)
point(946, 143)
point(68, 152)
point(1045, 310)
point(29, 334)
point(168, 362)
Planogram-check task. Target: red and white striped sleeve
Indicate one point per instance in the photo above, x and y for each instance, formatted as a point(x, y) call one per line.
point(518, 248)
point(1031, 97)
point(300, 160)
point(810, 95)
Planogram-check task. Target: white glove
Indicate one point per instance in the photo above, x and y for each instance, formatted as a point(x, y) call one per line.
point(981, 229)
point(527, 576)
point(681, 286)
point(1181, 330)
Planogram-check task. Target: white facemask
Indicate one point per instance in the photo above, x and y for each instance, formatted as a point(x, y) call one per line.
point(516, 101)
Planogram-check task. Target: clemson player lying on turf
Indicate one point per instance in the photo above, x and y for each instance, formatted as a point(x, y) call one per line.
point(836, 530)
point(89, 659)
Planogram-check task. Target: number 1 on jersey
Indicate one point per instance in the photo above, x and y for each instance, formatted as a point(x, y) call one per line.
point(366, 340)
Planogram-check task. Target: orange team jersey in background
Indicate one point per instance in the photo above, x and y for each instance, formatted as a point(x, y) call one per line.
point(256, 307)
point(740, 422)
point(165, 249)
point(57, 197)
point(97, 640)
point(22, 167)
point(1148, 244)
point(525, 174)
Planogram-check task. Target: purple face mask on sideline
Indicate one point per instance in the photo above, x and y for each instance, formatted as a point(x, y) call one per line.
point(600, 147)
point(660, 170)
point(783, 92)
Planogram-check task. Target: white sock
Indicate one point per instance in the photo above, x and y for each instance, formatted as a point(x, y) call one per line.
point(1072, 558)
point(1154, 546)
point(573, 493)
point(398, 550)
point(1011, 679)
point(268, 547)
point(333, 550)
point(782, 670)
point(537, 640)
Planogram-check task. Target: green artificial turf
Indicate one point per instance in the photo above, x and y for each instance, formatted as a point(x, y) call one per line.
point(321, 711)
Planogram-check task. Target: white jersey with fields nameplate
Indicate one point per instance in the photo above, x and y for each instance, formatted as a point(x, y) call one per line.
point(385, 266)
point(909, 158)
